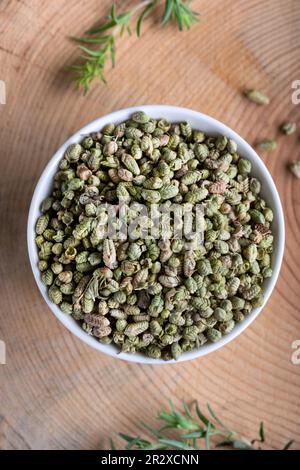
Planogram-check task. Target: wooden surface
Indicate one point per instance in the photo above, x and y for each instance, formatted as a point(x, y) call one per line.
point(56, 392)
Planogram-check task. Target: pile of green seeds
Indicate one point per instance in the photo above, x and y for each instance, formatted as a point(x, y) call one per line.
point(150, 295)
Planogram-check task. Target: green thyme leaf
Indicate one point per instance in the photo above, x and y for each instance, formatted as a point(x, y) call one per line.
point(288, 445)
point(262, 432)
point(194, 435)
point(102, 28)
point(187, 409)
point(153, 431)
point(143, 16)
point(176, 444)
point(135, 442)
point(201, 415)
point(112, 444)
point(167, 12)
point(207, 437)
point(213, 414)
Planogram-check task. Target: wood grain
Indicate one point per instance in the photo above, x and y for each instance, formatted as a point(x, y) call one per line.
point(56, 392)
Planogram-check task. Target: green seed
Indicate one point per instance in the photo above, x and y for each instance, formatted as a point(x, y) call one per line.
point(140, 117)
point(168, 191)
point(213, 335)
point(267, 144)
point(176, 350)
point(42, 224)
point(295, 168)
point(131, 164)
point(55, 294)
point(73, 152)
point(288, 128)
point(257, 97)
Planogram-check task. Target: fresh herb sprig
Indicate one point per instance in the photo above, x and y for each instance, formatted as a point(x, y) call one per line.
point(194, 430)
point(99, 44)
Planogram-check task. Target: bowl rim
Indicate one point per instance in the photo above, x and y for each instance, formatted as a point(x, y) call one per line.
point(119, 116)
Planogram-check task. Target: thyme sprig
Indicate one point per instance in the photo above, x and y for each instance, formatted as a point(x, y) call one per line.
point(99, 43)
point(195, 431)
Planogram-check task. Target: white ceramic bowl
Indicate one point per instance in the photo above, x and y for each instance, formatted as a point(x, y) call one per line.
point(198, 121)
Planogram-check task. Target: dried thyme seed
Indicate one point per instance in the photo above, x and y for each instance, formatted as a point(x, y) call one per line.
point(257, 97)
point(155, 295)
point(295, 168)
point(267, 144)
point(288, 128)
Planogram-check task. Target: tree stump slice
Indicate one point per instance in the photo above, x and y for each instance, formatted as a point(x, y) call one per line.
point(56, 392)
